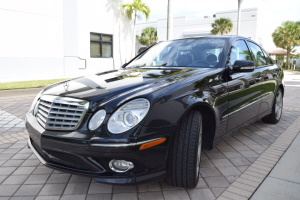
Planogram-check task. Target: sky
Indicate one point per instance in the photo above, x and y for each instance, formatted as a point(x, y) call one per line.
point(275, 11)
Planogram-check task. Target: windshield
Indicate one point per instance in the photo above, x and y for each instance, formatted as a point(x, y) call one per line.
point(199, 52)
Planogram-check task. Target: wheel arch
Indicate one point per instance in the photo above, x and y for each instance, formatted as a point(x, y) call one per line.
point(208, 123)
point(282, 89)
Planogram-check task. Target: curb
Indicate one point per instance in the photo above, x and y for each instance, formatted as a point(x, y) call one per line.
point(249, 181)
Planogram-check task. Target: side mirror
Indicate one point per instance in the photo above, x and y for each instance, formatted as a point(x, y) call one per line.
point(243, 66)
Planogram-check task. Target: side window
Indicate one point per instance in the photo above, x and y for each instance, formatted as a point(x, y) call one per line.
point(258, 54)
point(268, 59)
point(239, 51)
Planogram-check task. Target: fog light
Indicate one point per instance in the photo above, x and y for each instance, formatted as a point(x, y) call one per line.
point(120, 165)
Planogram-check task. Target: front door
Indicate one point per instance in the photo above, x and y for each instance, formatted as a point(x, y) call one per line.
point(244, 89)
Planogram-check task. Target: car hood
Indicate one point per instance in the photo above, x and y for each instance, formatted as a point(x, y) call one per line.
point(121, 82)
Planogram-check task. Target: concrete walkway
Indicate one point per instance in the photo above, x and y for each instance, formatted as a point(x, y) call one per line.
point(284, 180)
point(8, 94)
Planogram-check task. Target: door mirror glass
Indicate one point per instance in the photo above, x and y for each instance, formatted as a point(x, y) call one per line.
point(243, 66)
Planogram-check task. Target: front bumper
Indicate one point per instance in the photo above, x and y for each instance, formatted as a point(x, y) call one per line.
point(74, 152)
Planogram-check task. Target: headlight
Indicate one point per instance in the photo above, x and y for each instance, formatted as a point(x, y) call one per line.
point(128, 115)
point(33, 105)
point(97, 119)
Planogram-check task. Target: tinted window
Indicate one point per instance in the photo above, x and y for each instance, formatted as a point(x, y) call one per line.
point(268, 59)
point(239, 51)
point(258, 54)
point(200, 52)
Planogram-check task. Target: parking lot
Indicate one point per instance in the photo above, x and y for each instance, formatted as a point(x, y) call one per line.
point(22, 176)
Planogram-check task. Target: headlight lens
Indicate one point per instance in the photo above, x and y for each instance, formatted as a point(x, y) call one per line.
point(128, 115)
point(97, 119)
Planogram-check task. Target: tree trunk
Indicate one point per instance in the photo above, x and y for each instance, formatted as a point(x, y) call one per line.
point(239, 17)
point(120, 51)
point(288, 57)
point(133, 38)
point(170, 21)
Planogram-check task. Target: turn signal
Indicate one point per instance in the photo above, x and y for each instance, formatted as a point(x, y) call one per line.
point(152, 144)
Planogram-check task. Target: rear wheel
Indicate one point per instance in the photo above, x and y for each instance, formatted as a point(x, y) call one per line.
point(275, 116)
point(183, 165)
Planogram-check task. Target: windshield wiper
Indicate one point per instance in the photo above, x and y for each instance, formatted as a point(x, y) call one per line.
point(163, 65)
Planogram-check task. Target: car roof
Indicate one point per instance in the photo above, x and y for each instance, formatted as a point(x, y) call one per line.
point(213, 36)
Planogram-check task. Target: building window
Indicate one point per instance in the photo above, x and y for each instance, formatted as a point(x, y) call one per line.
point(101, 45)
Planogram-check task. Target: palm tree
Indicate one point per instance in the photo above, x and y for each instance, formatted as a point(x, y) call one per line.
point(287, 36)
point(148, 36)
point(222, 25)
point(239, 16)
point(132, 10)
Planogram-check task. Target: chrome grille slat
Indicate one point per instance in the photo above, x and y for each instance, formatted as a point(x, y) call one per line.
point(65, 113)
point(67, 108)
point(45, 104)
point(40, 121)
point(63, 118)
point(44, 119)
point(62, 123)
point(43, 113)
point(60, 113)
point(43, 108)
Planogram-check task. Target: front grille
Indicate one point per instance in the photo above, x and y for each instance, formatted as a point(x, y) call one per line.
point(60, 113)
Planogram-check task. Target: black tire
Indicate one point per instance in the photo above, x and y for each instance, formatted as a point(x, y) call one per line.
point(275, 116)
point(183, 164)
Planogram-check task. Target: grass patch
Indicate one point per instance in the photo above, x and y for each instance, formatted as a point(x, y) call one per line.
point(28, 84)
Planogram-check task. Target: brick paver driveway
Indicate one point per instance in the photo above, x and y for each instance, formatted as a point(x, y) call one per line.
point(22, 176)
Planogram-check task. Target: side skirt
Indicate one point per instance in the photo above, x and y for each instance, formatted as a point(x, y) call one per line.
point(240, 127)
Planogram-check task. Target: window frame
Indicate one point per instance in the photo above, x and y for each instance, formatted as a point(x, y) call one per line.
point(268, 57)
point(245, 41)
point(250, 41)
point(101, 42)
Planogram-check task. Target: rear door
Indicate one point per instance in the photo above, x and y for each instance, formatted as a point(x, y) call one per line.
point(244, 89)
point(269, 84)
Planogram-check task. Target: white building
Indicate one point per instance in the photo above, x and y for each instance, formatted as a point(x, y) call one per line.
point(184, 28)
point(45, 39)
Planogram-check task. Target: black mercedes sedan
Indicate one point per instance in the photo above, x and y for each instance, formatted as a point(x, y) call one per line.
point(150, 119)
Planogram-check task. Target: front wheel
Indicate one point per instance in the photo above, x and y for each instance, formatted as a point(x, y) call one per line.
point(275, 116)
point(183, 165)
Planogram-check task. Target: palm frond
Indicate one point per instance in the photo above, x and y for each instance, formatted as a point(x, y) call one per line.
point(128, 10)
point(222, 25)
point(148, 36)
